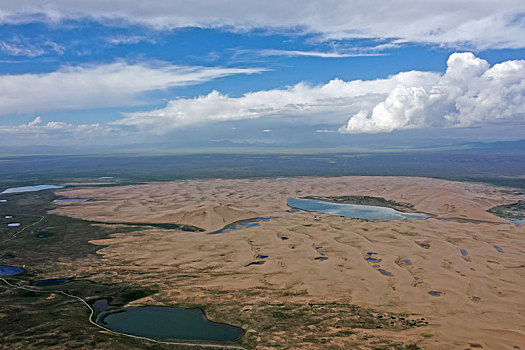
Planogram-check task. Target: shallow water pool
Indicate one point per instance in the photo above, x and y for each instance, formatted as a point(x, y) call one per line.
point(369, 212)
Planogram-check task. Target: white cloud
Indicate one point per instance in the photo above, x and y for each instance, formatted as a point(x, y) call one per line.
point(294, 53)
point(81, 87)
point(267, 130)
point(130, 39)
point(329, 103)
point(36, 129)
point(14, 49)
point(480, 24)
point(20, 46)
point(469, 93)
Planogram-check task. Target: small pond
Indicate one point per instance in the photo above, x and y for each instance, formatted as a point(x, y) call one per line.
point(102, 305)
point(70, 200)
point(51, 282)
point(44, 234)
point(385, 272)
point(498, 249)
point(369, 212)
point(239, 225)
point(10, 270)
point(31, 188)
point(168, 323)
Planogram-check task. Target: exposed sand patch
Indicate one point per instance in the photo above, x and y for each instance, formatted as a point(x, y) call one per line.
point(481, 302)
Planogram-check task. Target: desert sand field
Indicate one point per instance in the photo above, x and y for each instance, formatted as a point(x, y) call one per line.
point(476, 297)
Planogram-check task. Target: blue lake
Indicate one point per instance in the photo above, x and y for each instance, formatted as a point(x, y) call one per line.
point(31, 188)
point(369, 212)
point(168, 323)
point(10, 270)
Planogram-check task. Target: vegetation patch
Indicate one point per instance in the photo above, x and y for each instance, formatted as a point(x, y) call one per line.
point(511, 211)
point(367, 200)
point(166, 226)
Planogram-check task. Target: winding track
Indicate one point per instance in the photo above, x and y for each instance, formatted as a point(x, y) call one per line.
point(14, 235)
point(92, 312)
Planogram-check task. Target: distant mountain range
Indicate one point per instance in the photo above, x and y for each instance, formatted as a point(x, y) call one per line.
point(225, 146)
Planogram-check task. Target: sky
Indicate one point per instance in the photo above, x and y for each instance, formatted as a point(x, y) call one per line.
point(277, 75)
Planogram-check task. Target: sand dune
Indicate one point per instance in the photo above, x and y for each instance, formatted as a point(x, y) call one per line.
point(478, 292)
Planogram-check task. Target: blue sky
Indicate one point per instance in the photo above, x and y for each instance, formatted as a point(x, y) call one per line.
point(308, 74)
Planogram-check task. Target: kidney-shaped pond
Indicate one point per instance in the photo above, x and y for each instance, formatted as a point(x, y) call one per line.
point(167, 322)
point(369, 212)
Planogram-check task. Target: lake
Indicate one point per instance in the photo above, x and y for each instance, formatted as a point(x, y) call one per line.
point(70, 200)
point(31, 188)
point(169, 323)
point(368, 212)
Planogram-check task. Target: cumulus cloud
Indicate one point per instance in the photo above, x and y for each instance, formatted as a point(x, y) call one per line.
point(116, 84)
point(331, 102)
point(480, 24)
point(470, 92)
